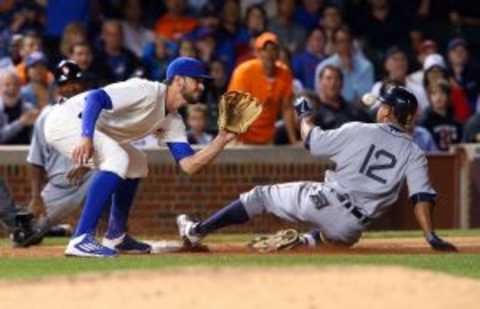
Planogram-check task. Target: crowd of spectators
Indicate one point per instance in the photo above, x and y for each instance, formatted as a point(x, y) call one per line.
point(333, 51)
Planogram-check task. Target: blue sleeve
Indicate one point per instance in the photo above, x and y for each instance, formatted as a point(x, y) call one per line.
point(96, 100)
point(180, 150)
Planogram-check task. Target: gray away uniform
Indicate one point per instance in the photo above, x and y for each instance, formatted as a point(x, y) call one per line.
point(372, 162)
point(59, 196)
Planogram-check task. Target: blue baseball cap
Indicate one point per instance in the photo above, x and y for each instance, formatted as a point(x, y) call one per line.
point(455, 42)
point(186, 66)
point(36, 58)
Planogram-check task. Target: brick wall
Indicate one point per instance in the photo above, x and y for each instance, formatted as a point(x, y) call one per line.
point(167, 192)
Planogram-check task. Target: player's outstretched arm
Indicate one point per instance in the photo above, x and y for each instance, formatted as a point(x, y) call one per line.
point(288, 115)
point(423, 213)
point(194, 163)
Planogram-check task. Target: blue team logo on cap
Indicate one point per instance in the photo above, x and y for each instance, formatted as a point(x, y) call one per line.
point(186, 66)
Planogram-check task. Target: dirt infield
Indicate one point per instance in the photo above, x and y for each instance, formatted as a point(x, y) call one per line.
point(364, 247)
point(309, 288)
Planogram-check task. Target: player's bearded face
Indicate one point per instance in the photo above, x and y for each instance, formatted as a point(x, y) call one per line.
point(191, 90)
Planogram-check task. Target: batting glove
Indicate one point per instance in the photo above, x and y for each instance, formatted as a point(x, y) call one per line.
point(303, 107)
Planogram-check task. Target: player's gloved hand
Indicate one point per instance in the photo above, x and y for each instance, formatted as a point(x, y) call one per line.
point(439, 244)
point(83, 151)
point(303, 107)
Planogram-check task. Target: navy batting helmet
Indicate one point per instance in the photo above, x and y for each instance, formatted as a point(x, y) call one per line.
point(67, 71)
point(402, 100)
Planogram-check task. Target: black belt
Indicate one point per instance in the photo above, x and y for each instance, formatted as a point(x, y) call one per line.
point(354, 210)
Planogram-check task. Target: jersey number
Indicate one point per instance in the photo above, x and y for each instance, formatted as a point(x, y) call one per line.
point(368, 168)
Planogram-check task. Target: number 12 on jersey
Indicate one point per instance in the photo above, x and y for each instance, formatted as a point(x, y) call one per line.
point(371, 165)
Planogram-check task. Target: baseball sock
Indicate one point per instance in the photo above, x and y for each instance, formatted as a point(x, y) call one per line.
point(103, 185)
point(122, 202)
point(312, 238)
point(234, 213)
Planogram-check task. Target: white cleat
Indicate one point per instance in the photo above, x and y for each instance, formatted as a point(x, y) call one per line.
point(86, 245)
point(185, 230)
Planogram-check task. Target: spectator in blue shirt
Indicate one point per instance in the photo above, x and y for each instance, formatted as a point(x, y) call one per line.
point(38, 91)
point(424, 139)
point(308, 14)
point(358, 74)
point(121, 61)
point(305, 63)
point(156, 57)
point(291, 35)
point(60, 13)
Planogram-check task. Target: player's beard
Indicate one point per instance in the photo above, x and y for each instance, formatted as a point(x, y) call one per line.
point(191, 97)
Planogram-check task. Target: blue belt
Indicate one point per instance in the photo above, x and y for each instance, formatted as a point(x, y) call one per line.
point(354, 210)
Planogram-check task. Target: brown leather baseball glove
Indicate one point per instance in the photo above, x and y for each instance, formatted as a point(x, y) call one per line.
point(237, 111)
point(280, 241)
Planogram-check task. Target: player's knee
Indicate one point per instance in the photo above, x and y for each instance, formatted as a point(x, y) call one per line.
point(253, 201)
point(117, 163)
point(342, 239)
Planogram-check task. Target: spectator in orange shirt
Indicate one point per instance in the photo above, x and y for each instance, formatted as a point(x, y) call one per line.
point(271, 82)
point(173, 24)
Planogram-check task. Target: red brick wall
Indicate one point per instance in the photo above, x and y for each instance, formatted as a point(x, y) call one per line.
point(167, 192)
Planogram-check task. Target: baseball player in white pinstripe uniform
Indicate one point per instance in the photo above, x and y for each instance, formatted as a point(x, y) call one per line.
point(95, 128)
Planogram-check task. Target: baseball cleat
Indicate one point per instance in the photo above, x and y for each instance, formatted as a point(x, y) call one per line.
point(87, 246)
point(127, 244)
point(185, 230)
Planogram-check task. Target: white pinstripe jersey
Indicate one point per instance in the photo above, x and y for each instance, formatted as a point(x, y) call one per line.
point(138, 110)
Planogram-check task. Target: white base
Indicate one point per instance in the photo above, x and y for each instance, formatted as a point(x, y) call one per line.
point(165, 246)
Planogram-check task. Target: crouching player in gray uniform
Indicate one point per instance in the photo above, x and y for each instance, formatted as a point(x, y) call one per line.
point(372, 162)
point(66, 185)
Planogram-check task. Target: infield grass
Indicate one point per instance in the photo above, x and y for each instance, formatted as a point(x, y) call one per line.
point(34, 267)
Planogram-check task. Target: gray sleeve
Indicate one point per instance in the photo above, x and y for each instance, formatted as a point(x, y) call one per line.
point(418, 181)
point(38, 143)
point(328, 143)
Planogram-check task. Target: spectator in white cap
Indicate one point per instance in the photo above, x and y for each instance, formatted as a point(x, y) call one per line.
point(428, 47)
point(435, 70)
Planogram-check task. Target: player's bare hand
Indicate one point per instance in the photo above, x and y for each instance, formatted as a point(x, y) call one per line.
point(37, 207)
point(227, 136)
point(83, 151)
point(76, 174)
point(28, 118)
